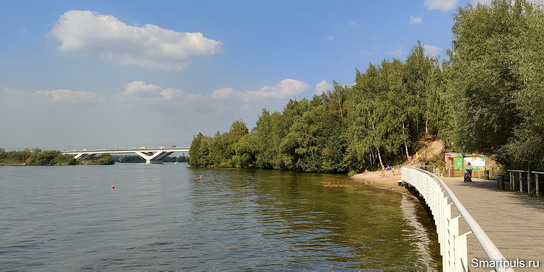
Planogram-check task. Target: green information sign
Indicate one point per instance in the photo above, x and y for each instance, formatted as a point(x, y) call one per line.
point(478, 163)
point(458, 164)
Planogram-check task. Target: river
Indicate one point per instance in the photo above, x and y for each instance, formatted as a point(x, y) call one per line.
point(165, 218)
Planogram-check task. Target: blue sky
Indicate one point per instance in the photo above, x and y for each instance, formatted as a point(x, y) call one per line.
point(92, 74)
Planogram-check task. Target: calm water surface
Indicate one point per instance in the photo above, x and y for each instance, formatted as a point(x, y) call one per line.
point(164, 218)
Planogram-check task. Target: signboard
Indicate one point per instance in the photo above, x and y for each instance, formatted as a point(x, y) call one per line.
point(458, 164)
point(477, 162)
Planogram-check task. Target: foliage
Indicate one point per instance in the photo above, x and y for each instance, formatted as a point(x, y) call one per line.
point(35, 157)
point(366, 125)
point(496, 77)
point(105, 159)
point(485, 99)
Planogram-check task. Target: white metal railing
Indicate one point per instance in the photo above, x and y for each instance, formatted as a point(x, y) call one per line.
point(453, 247)
point(514, 184)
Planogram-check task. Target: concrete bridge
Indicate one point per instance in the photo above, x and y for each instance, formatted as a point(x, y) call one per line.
point(150, 154)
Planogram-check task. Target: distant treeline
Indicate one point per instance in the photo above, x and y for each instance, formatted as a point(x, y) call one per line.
point(46, 157)
point(35, 157)
point(487, 98)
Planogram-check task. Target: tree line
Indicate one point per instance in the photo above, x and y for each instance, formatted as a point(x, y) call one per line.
point(484, 99)
point(369, 124)
point(35, 157)
point(46, 157)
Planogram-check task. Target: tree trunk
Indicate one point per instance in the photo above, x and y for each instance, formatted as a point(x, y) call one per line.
point(405, 144)
point(407, 154)
point(380, 158)
point(426, 127)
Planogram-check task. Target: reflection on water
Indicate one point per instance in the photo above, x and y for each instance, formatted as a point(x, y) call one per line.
point(163, 217)
point(422, 238)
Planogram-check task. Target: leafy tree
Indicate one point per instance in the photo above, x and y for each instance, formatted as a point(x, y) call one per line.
point(527, 146)
point(195, 152)
point(484, 78)
point(105, 159)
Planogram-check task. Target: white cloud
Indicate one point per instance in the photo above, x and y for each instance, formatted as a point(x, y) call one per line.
point(322, 86)
point(138, 114)
point(64, 95)
point(150, 46)
point(285, 89)
point(442, 5)
point(415, 20)
point(431, 50)
point(142, 89)
point(331, 38)
point(354, 24)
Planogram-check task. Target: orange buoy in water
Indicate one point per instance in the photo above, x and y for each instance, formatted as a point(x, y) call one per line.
point(113, 187)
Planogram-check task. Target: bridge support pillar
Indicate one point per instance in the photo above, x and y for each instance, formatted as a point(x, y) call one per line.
point(154, 157)
point(84, 156)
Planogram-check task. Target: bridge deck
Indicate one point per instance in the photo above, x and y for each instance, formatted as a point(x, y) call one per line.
point(513, 221)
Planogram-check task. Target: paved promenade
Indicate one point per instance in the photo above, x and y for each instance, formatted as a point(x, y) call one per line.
point(513, 221)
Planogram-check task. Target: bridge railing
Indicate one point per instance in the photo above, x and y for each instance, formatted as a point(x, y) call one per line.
point(519, 183)
point(440, 199)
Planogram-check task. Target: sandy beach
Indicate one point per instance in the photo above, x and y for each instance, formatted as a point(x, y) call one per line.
point(389, 181)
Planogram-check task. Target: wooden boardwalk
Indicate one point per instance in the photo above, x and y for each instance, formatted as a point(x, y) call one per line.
point(513, 221)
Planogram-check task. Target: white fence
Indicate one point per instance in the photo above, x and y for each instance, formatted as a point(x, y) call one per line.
point(518, 185)
point(440, 199)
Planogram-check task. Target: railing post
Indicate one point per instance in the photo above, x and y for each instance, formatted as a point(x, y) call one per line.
point(521, 182)
point(528, 182)
point(454, 233)
point(536, 186)
point(512, 181)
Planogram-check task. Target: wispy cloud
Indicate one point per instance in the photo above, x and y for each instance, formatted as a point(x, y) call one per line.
point(65, 95)
point(398, 52)
point(285, 89)
point(431, 50)
point(416, 20)
point(68, 118)
point(331, 38)
point(354, 24)
point(443, 5)
point(95, 35)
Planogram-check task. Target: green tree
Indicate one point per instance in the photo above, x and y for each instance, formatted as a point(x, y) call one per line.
point(195, 152)
point(105, 159)
point(484, 78)
point(527, 146)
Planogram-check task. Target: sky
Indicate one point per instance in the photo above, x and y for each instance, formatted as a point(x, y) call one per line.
point(103, 74)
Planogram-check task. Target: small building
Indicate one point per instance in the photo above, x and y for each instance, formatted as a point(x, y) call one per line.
point(456, 163)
